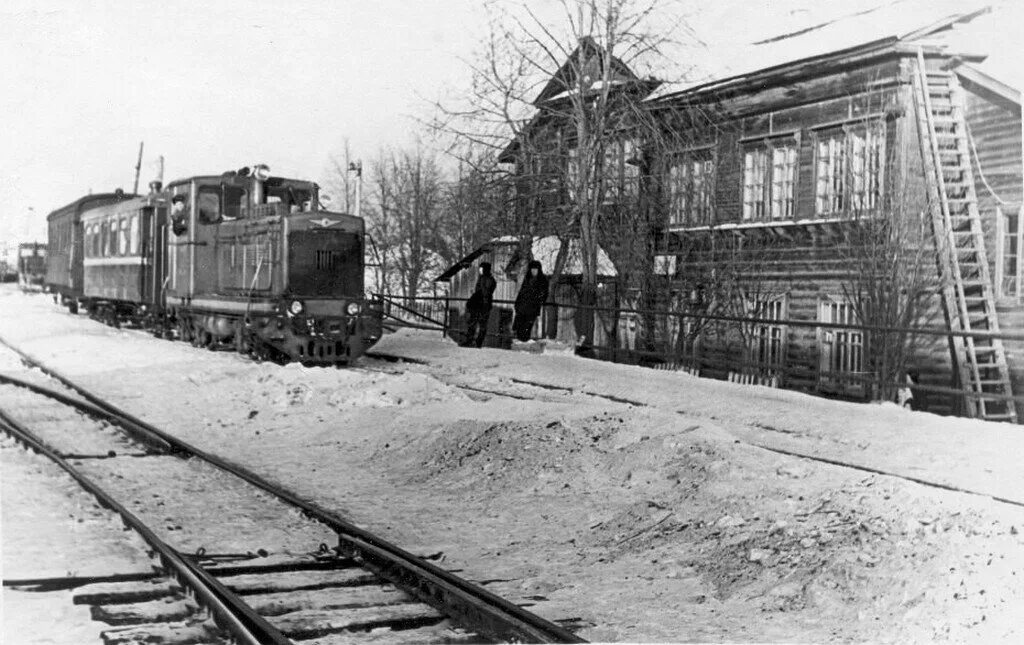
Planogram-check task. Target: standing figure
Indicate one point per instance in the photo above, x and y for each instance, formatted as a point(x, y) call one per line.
point(479, 307)
point(532, 296)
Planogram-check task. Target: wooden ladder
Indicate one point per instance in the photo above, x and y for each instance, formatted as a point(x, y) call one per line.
point(967, 291)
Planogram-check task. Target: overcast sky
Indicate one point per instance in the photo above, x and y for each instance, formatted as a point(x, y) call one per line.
point(215, 86)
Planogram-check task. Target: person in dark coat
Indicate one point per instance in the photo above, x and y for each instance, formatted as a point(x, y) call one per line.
point(530, 301)
point(479, 307)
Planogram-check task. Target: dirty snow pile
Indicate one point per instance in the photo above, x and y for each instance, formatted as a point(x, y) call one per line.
point(631, 504)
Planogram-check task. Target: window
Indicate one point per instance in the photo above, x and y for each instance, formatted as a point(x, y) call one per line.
point(106, 239)
point(849, 169)
point(209, 205)
point(689, 188)
point(783, 180)
point(769, 179)
point(866, 168)
point(122, 238)
point(572, 172)
point(620, 169)
point(235, 201)
point(841, 358)
point(1009, 249)
point(133, 235)
point(755, 164)
point(768, 340)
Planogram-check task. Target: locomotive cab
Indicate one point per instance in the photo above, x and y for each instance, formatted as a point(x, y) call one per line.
point(255, 262)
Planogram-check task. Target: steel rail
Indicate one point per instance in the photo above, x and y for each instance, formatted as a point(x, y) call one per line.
point(229, 612)
point(470, 605)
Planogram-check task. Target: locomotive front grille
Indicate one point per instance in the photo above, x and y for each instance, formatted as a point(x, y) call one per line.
point(325, 263)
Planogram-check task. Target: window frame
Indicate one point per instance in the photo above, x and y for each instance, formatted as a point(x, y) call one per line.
point(694, 204)
point(840, 195)
point(624, 153)
point(758, 196)
point(841, 351)
point(765, 335)
point(122, 236)
point(202, 216)
point(134, 234)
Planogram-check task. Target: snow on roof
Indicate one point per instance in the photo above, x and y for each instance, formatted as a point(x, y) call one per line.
point(833, 27)
point(545, 249)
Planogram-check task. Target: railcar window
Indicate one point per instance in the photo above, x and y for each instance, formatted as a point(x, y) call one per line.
point(122, 238)
point(209, 206)
point(133, 238)
point(105, 237)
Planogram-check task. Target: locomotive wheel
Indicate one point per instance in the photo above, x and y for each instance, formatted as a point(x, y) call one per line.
point(242, 342)
point(185, 330)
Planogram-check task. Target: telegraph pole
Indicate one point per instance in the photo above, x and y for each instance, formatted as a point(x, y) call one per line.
point(138, 168)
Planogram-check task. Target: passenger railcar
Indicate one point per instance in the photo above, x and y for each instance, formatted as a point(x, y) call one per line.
point(242, 260)
point(31, 266)
point(64, 247)
point(123, 261)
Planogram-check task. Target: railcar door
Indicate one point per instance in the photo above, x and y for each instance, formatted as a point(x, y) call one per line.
point(180, 225)
point(157, 255)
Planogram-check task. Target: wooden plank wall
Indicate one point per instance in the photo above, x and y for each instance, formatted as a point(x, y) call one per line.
point(811, 274)
point(995, 125)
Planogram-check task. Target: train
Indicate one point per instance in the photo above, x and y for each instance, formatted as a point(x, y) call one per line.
point(31, 266)
point(244, 261)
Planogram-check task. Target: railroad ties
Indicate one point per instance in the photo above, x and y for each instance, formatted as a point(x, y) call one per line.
point(227, 562)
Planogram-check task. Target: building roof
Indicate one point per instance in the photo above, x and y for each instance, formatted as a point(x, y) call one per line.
point(885, 28)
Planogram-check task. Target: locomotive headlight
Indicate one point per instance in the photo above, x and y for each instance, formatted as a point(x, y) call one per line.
point(295, 308)
point(353, 308)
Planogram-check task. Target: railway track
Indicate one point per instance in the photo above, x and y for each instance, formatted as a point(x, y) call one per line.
point(237, 559)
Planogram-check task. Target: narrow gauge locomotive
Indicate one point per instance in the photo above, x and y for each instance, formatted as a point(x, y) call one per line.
point(242, 260)
point(31, 266)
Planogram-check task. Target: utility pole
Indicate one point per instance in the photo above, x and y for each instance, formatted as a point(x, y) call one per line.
point(138, 168)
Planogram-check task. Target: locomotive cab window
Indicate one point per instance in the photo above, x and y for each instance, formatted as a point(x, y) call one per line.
point(297, 199)
point(209, 205)
point(235, 200)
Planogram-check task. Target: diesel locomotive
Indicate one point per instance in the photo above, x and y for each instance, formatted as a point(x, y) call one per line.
point(243, 260)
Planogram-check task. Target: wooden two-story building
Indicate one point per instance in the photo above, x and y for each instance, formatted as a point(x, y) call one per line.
point(803, 195)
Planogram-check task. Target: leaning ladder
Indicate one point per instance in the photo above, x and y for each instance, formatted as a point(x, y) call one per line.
point(967, 293)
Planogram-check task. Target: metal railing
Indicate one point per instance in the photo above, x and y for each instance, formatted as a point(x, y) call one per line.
point(723, 346)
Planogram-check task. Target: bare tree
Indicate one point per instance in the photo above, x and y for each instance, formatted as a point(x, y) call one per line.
point(404, 215)
point(563, 99)
point(892, 284)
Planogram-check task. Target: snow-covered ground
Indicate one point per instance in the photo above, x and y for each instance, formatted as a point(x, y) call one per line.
point(677, 517)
